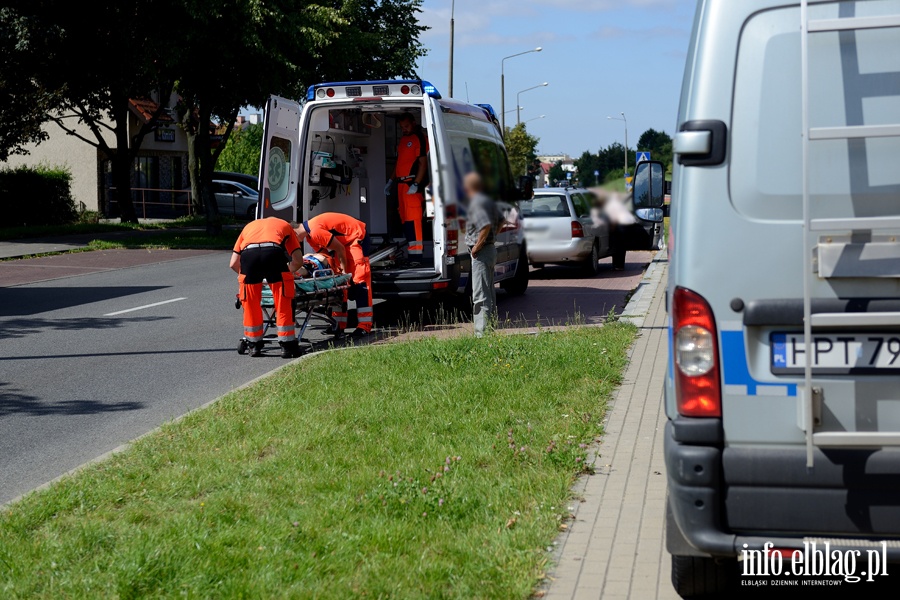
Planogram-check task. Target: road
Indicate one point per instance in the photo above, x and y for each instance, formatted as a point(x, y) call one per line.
point(79, 377)
point(104, 354)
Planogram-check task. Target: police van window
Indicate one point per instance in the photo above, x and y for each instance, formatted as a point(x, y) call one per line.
point(279, 169)
point(853, 81)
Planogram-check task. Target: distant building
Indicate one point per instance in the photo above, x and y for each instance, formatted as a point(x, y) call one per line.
point(160, 169)
point(555, 158)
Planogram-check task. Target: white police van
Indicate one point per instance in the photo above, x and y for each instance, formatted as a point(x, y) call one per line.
point(783, 388)
point(336, 151)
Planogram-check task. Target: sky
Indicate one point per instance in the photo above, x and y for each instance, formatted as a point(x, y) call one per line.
point(599, 57)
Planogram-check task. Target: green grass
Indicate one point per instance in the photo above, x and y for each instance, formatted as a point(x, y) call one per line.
point(430, 469)
point(15, 233)
point(171, 240)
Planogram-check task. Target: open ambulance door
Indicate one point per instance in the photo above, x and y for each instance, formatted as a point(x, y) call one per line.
point(279, 161)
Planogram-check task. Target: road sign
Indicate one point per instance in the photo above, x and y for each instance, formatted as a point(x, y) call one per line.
point(628, 180)
point(569, 175)
point(641, 157)
point(596, 173)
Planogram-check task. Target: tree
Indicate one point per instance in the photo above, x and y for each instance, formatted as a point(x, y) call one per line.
point(520, 147)
point(586, 164)
point(557, 173)
point(86, 71)
point(242, 149)
point(658, 143)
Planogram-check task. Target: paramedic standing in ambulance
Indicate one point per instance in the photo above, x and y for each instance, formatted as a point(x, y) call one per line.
point(410, 175)
point(344, 238)
point(481, 223)
point(262, 252)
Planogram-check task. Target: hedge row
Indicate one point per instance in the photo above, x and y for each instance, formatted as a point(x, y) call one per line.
point(36, 196)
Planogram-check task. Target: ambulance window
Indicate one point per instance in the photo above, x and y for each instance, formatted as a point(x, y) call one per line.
point(492, 164)
point(278, 170)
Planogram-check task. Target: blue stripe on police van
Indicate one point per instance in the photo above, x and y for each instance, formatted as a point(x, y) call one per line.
point(736, 373)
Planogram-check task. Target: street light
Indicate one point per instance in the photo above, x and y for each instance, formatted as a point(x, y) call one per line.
point(503, 86)
point(626, 139)
point(452, 10)
point(534, 87)
point(534, 119)
point(514, 109)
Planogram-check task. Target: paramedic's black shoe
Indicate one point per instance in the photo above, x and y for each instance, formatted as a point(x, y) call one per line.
point(256, 348)
point(359, 332)
point(334, 330)
point(290, 349)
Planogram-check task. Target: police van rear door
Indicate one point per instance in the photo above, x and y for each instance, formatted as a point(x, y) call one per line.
point(279, 161)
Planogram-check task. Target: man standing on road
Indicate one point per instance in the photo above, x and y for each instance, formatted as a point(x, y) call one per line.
point(262, 252)
point(411, 175)
point(344, 238)
point(481, 223)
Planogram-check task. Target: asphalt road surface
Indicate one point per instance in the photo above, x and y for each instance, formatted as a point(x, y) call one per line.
point(92, 361)
point(98, 348)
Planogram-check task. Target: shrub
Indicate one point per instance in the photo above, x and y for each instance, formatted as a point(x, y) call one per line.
point(39, 195)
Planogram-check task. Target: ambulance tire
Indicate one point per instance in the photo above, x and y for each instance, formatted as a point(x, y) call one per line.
point(242, 347)
point(517, 285)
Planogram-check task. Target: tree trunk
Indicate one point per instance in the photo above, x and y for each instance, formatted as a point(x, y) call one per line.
point(122, 165)
point(201, 167)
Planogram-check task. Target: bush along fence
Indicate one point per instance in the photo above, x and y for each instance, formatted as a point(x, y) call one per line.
point(36, 196)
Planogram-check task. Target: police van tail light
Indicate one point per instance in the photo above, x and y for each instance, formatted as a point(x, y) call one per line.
point(695, 346)
point(577, 230)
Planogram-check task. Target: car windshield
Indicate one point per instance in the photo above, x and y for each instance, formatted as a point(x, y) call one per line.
point(545, 205)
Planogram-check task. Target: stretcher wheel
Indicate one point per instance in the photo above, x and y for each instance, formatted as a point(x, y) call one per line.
point(242, 347)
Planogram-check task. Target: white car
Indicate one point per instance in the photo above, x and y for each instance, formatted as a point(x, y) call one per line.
point(559, 229)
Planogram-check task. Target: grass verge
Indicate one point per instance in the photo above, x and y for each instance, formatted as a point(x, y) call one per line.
point(436, 468)
point(171, 240)
point(16, 233)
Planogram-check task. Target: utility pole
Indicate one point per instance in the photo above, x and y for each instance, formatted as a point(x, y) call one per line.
point(452, 11)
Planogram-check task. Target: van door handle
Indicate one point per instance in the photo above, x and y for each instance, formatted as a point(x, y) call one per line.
point(701, 143)
point(692, 142)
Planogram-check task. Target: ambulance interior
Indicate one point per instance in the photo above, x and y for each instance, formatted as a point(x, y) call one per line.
point(351, 153)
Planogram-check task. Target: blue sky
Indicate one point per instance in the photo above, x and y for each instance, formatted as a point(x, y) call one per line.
point(600, 58)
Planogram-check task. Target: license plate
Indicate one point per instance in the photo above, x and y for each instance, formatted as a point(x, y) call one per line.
point(837, 353)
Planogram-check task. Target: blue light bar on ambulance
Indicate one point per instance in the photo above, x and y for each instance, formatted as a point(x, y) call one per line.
point(392, 88)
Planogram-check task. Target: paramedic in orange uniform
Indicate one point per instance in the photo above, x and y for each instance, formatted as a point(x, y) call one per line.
point(410, 176)
point(262, 252)
point(344, 238)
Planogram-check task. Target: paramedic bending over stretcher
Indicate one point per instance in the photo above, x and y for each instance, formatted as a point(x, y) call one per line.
point(344, 238)
point(410, 175)
point(262, 252)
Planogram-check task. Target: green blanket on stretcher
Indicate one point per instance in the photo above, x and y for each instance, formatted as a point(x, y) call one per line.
point(308, 286)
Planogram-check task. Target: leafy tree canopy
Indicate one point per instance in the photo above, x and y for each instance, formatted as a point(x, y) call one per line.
point(520, 146)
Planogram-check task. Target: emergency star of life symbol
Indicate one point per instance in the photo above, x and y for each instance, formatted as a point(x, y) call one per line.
point(276, 168)
point(409, 144)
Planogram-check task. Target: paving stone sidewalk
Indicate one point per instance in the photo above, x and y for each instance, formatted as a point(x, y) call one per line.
point(615, 547)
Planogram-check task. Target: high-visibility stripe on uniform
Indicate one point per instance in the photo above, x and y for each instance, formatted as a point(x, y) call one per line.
point(286, 334)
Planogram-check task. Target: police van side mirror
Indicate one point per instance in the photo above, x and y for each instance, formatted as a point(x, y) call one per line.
point(525, 186)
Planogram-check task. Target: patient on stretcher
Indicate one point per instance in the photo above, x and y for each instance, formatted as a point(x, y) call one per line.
point(316, 263)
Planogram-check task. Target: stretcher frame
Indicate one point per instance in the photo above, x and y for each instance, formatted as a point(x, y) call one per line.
point(321, 292)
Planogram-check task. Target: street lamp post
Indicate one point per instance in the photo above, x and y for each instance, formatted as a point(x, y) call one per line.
point(503, 86)
point(518, 116)
point(514, 109)
point(535, 118)
point(626, 138)
point(452, 10)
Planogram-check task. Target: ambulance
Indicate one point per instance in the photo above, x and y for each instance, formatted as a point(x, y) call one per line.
point(783, 384)
point(335, 152)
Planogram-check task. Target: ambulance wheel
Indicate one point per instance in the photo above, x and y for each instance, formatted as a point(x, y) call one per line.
point(242, 347)
point(517, 285)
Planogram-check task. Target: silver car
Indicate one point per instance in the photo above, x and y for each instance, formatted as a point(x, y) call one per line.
point(559, 229)
point(235, 199)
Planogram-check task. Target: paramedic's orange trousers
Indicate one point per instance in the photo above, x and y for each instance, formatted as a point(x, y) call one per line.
point(251, 300)
point(411, 206)
point(361, 291)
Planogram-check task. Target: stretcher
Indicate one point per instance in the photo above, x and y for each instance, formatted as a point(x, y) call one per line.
point(318, 294)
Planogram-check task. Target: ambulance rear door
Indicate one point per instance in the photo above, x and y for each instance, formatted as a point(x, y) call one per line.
point(437, 199)
point(279, 161)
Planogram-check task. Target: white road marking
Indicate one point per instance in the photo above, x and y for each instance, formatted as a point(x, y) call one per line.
point(128, 310)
